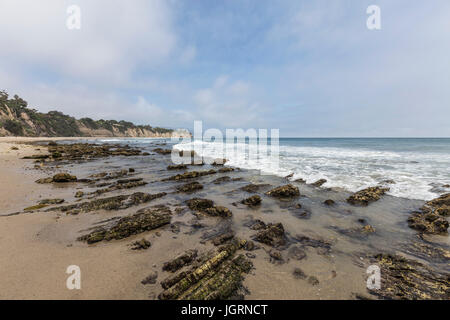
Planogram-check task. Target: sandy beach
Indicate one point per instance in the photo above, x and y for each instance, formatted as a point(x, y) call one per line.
point(37, 246)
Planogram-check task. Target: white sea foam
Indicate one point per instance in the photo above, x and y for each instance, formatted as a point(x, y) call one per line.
point(415, 173)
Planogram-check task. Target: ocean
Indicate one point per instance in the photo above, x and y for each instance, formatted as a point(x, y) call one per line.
point(418, 167)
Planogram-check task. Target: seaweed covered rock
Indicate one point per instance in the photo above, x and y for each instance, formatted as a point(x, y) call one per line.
point(89, 151)
point(253, 188)
point(111, 203)
point(177, 167)
point(143, 220)
point(162, 151)
point(252, 201)
point(142, 244)
point(219, 211)
point(226, 169)
point(198, 204)
point(64, 177)
point(207, 206)
point(431, 217)
point(219, 277)
point(365, 196)
point(121, 185)
point(287, 191)
point(440, 206)
point(319, 183)
point(402, 278)
point(221, 180)
point(427, 251)
point(430, 223)
point(180, 261)
point(190, 175)
point(329, 202)
point(51, 201)
point(190, 187)
point(272, 235)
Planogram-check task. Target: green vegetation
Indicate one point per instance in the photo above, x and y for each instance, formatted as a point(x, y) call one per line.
point(19, 120)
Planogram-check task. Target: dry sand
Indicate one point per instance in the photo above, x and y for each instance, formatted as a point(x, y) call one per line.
point(33, 261)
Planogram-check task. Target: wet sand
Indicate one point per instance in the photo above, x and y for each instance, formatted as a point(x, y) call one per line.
point(37, 247)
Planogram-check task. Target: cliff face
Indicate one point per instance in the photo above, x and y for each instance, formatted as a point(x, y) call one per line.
point(16, 119)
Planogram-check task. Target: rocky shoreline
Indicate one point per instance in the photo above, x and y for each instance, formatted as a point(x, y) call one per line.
point(216, 232)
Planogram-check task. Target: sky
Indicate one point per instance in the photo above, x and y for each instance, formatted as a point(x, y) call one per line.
point(307, 68)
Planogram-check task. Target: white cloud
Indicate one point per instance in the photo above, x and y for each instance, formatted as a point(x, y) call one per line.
point(115, 38)
point(228, 104)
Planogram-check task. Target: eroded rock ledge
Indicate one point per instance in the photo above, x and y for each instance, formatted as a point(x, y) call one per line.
point(366, 196)
point(142, 221)
point(216, 278)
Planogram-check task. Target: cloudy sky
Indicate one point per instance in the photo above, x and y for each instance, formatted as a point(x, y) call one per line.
point(309, 68)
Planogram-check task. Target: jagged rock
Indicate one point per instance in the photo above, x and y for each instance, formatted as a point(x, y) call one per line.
point(221, 180)
point(64, 177)
point(227, 169)
point(198, 204)
point(319, 183)
point(219, 211)
point(86, 151)
point(151, 278)
point(207, 206)
point(427, 251)
point(365, 196)
point(35, 207)
point(286, 191)
point(329, 202)
point(252, 201)
point(142, 244)
point(180, 261)
point(51, 201)
point(79, 194)
point(190, 187)
point(272, 235)
point(252, 188)
point(219, 162)
point(177, 167)
point(143, 220)
point(44, 180)
point(190, 175)
point(162, 151)
point(430, 223)
point(300, 180)
point(217, 278)
point(402, 278)
point(430, 218)
point(111, 203)
point(222, 238)
point(440, 206)
point(121, 185)
point(255, 224)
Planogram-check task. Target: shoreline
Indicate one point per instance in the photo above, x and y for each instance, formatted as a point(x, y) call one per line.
point(48, 239)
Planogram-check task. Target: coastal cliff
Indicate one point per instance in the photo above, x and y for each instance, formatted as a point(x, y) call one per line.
point(17, 119)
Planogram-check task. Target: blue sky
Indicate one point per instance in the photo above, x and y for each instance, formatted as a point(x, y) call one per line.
point(309, 68)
